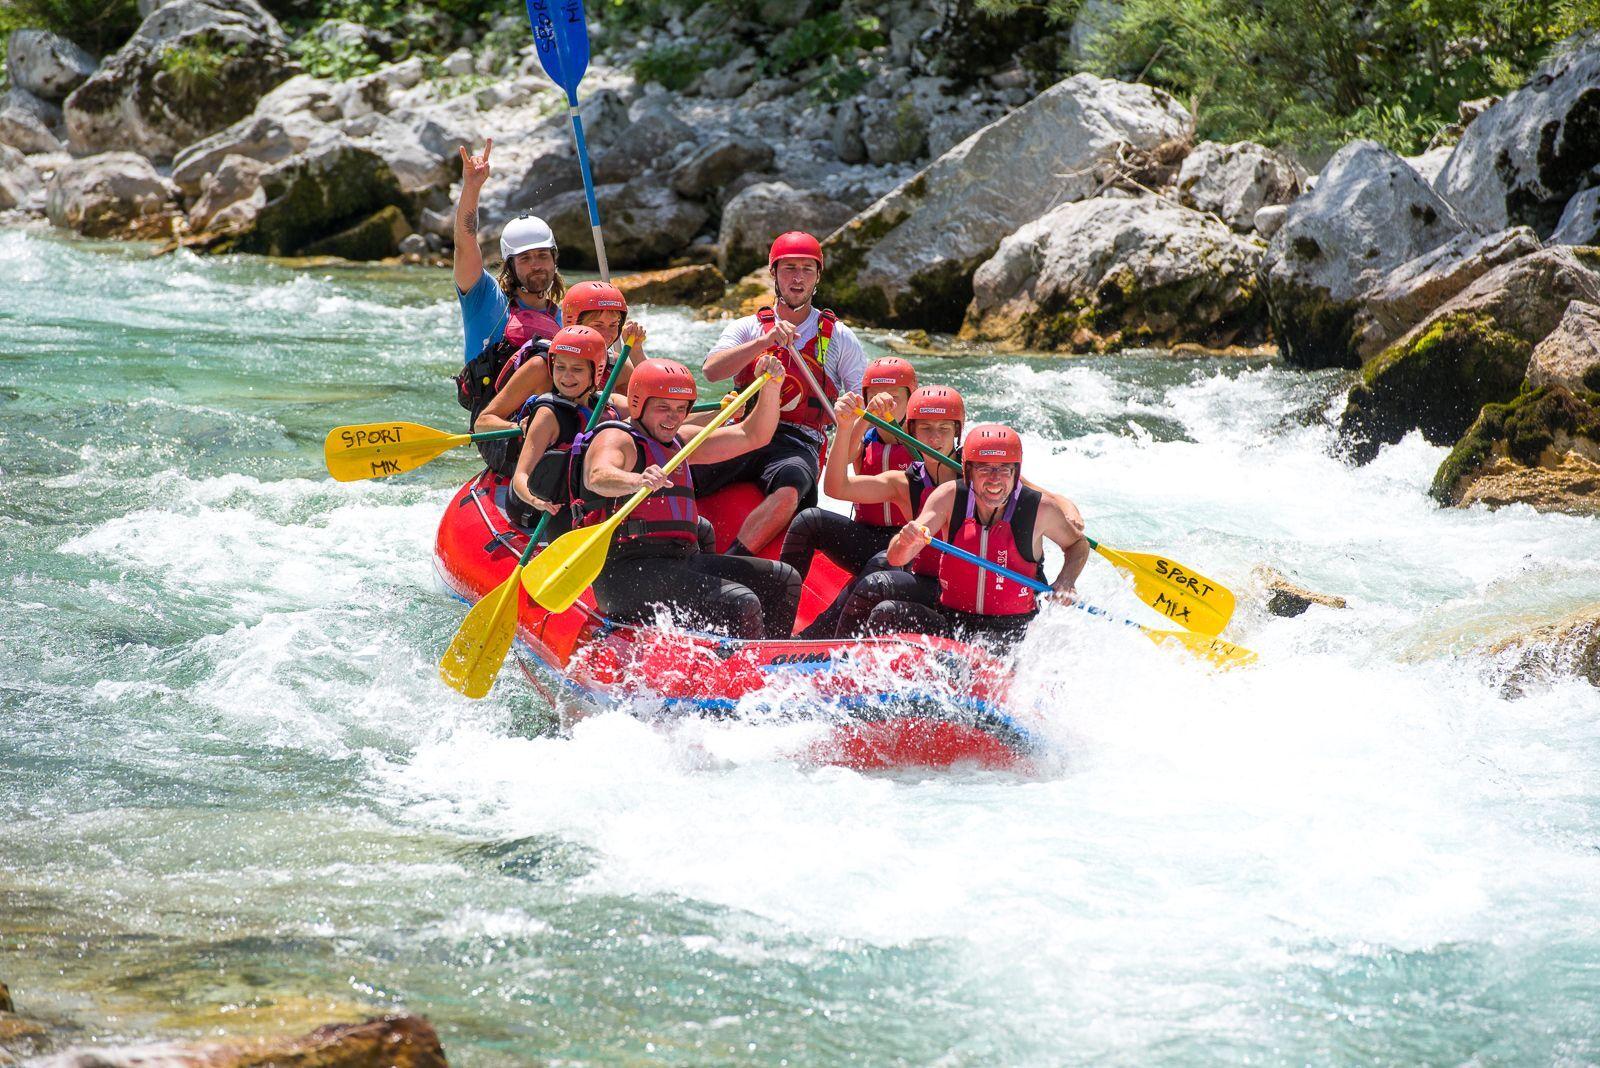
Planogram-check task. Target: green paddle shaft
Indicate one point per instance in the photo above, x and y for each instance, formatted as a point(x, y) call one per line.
point(911, 442)
point(594, 419)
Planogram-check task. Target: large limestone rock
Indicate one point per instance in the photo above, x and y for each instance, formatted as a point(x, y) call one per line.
point(329, 188)
point(1541, 449)
point(192, 68)
point(552, 160)
point(1580, 221)
point(230, 197)
point(1472, 351)
point(1524, 158)
point(909, 259)
point(646, 224)
point(653, 136)
point(20, 185)
point(385, 1042)
point(715, 165)
point(264, 138)
point(301, 94)
point(1409, 292)
point(27, 122)
point(1236, 181)
point(694, 285)
point(417, 169)
point(1369, 213)
point(115, 194)
point(47, 64)
point(1570, 354)
point(761, 212)
point(1112, 272)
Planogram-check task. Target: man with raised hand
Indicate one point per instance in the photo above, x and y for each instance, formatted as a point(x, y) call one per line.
point(793, 329)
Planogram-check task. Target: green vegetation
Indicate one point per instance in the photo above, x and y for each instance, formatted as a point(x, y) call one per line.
point(194, 69)
point(1311, 74)
point(673, 66)
point(826, 52)
point(334, 59)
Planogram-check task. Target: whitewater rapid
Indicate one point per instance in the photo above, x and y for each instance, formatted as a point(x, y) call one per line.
point(236, 782)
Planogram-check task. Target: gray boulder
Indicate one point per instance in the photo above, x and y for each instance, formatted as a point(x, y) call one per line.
point(302, 94)
point(1269, 220)
point(1570, 354)
point(909, 258)
point(47, 64)
point(26, 122)
point(1236, 181)
point(1471, 351)
point(729, 80)
point(552, 159)
point(1431, 163)
point(230, 197)
point(653, 136)
point(20, 185)
point(646, 224)
point(331, 187)
point(893, 131)
point(1413, 289)
point(193, 67)
point(115, 194)
point(845, 134)
point(1580, 222)
point(763, 211)
point(1112, 272)
point(713, 166)
point(1525, 157)
point(1368, 213)
point(417, 169)
point(259, 137)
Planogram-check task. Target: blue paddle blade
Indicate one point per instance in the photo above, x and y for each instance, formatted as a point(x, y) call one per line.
point(561, 36)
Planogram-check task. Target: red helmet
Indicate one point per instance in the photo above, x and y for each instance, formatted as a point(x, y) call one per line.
point(592, 296)
point(795, 243)
point(992, 443)
point(937, 402)
point(889, 371)
point(583, 343)
point(666, 379)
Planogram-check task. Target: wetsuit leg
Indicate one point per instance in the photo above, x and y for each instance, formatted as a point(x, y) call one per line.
point(707, 535)
point(892, 584)
point(838, 537)
point(996, 632)
point(631, 591)
point(894, 616)
point(774, 585)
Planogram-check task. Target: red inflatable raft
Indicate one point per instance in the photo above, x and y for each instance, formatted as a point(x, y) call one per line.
point(905, 700)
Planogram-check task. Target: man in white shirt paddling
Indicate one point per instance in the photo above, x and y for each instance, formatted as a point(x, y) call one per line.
point(787, 468)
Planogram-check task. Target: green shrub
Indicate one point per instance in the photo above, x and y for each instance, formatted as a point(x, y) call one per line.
point(334, 59)
point(195, 69)
point(673, 66)
point(828, 51)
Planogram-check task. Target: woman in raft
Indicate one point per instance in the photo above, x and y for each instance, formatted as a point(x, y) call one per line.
point(934, 415)
point(655, 558)
point(598, 305)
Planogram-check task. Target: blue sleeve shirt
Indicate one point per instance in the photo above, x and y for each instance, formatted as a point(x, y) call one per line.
point(484, 312)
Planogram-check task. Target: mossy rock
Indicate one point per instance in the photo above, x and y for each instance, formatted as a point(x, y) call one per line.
point(373, 238)
point(1434, 380)
point(1523, 430)
point(328, 190)
point(1313, 329)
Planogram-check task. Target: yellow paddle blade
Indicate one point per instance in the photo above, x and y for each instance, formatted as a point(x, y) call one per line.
point(1181, 594)
point(378, 450)
point(480, 646)
point(558, 576)
point(1222, 653)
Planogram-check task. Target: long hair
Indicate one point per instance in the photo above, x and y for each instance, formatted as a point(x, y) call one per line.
point(508, 285)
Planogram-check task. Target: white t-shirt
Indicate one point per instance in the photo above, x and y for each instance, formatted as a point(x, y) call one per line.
point(845, 365)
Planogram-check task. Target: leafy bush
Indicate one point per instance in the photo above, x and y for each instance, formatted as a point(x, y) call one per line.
point(674, 66)
point(1311, 74)
point(833, 46)
point(195, 69)
point(334, 59)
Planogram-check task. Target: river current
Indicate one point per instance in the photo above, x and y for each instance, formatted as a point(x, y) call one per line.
point(235, 796)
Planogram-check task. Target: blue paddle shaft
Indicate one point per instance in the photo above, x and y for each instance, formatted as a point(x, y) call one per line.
point(561, 38)
point(1033, 584)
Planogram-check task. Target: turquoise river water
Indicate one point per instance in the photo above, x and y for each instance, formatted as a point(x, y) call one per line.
point(235, 797)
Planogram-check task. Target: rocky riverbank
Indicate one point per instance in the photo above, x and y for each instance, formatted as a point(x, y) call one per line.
point(961, 197)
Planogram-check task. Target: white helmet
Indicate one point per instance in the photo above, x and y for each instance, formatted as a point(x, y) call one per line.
point(525, 232)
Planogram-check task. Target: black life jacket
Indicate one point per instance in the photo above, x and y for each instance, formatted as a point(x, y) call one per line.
point(550, 477)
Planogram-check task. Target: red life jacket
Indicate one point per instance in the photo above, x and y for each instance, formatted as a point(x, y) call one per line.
point(920, 483)
point(878, 456)
point(797, 404)
point(666, 523)
point(1008, 542)
point(526, 324)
